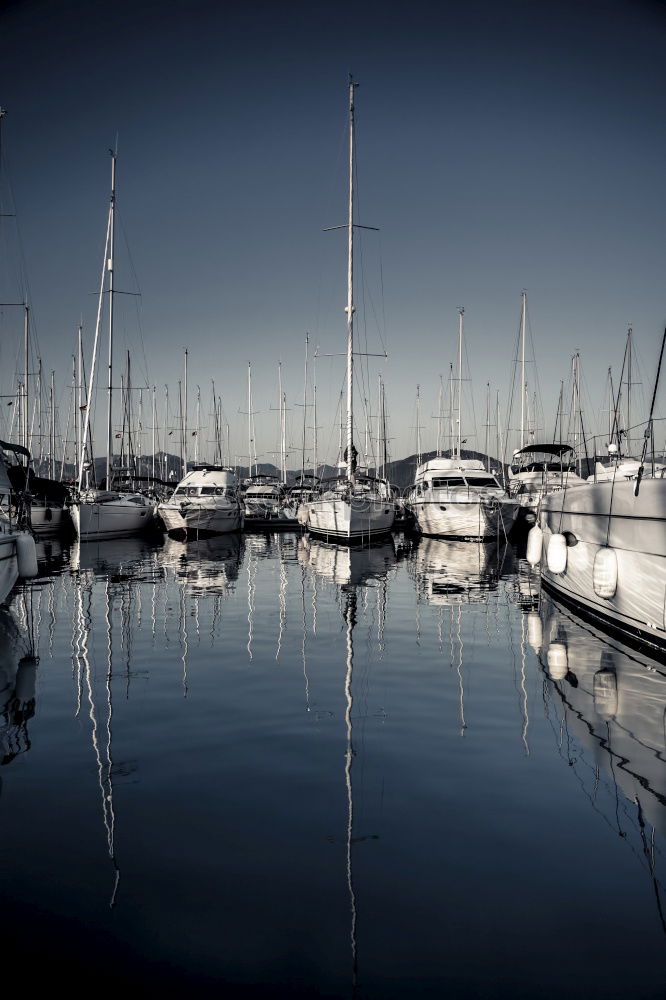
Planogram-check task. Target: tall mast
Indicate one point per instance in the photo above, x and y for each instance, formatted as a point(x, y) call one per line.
point(283, 443)
point(154, 431)
point(26, 373)
point(184, 424)
point(53, 433)
point(451, 434)
point(418, 425)
point(439, 418)
point(305, 406)
point(379, 422)
point(110, 265)
point(500, 450)
point(314, 428)
point(487, 426)
point(79, 393)
point(76, 420)
point(198, 427)
point(383, 413)
point(183, 467)
point(461, 313)
point(523, 315)
point(165, 435)
point(350, 296)
point(37, 407)
point(249, 417)
point(630, 336)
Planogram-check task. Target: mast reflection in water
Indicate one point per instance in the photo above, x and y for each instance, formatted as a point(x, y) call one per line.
point(273, 765)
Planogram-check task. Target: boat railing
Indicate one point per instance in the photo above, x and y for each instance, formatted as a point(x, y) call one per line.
point(600, 449)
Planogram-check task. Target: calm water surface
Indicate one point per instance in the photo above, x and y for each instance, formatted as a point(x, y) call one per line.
point(276, 766)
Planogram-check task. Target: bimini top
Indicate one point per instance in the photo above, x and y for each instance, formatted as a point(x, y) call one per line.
point(552, 448)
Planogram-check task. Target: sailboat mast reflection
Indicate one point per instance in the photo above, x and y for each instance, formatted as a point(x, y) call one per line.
point(349, 615)
point(103, 755)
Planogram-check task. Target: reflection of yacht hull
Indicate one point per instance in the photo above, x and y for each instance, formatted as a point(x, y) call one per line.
point(110, 520)
point(608, 515)
point(472, 517)
point(456, 571)
point(279, 521)
point(212, 519)
point(47, 520)
point(119, 556)
point(340, 520)
point(618, 698)
point(8, 565)
point(344, 564)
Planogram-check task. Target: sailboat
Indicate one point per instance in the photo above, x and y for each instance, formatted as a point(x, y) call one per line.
point(351, 507)
point(455, 497)
point(107, 513)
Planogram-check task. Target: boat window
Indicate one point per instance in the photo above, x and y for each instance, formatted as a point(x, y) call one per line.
point(484, 481)
point(192, 491)
point(448, 482)
point(208, 490)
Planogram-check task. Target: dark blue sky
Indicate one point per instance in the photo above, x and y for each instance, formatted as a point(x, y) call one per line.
point(500, 147)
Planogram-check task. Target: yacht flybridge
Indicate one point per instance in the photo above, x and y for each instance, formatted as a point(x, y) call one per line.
point(352, 507)
point(205, 502)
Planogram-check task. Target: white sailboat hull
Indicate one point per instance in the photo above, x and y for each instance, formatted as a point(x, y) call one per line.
point(608, 515)
point(47, 521)
point(470, 517)
point(113, 519)
point(8, 564)
point(340, 518)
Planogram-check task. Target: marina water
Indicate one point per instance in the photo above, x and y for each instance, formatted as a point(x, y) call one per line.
point(268, 766)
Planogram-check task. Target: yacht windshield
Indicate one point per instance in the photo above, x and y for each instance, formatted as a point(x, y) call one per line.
point(484, 481)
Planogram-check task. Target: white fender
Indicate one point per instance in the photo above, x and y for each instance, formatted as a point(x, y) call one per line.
point(604, 685)
point(534, 630)
point(26, 678)
point(604, 572)
point(556, 556)
point(26, 554)
point(534, 545)
point(558, 661)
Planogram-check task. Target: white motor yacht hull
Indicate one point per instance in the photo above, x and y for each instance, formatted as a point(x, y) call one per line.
point(464, 517)
point(212, 519)
point(609, 516)
point(113, 519)
point(172, 518)
point(345, 520)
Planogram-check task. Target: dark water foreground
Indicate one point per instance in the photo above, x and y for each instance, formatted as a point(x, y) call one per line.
point(278, 767)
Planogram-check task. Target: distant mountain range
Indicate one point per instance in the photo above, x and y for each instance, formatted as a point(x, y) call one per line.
point(168, 468)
